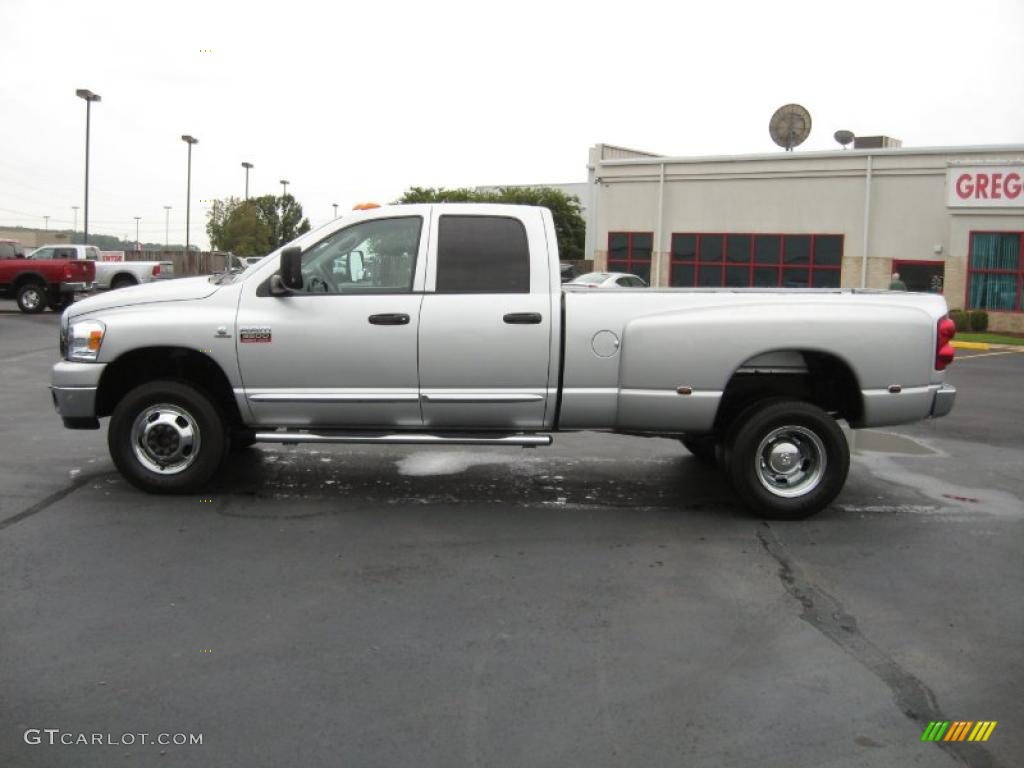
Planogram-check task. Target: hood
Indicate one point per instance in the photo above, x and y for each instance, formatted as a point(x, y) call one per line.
point(180, 289)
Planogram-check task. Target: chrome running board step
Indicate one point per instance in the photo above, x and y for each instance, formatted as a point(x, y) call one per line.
point(400, 438)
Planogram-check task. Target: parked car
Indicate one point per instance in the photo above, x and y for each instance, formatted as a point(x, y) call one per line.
point(609, 280)
point(38, 284)
point(445, 324)
point(109, 274)
point(11, 249)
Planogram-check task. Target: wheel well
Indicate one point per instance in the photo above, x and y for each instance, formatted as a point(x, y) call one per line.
point(29, 277)
point(123, 276)
point(182, 364)
point(826, 381)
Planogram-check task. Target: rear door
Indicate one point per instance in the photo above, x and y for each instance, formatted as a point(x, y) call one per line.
point(486, 323)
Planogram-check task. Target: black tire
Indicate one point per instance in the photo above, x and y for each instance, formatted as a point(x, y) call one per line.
point(242, 439)
point(180, 409)
point(65, 301)
point(787, 459)
point(122, 282)
point(703, 448)
point(32, 298)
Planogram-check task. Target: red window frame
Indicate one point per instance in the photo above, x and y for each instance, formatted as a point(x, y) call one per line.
point(630, 260)
point(751, 264)
point(971, 271)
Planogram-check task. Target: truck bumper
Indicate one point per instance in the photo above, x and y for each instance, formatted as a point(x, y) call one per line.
point(75, 287)
point(943, 402)
point(73, 387)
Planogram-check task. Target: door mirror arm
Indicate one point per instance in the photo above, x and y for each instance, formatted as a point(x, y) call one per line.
point(277, 286)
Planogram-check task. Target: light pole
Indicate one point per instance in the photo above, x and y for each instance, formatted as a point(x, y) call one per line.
point(335, 209)
point(247, 166)
point(167, 226)
point(74, 228)
point(284, 187)
point(190, 140)
point(46, 223)
point(137, 245)
point(90, 97)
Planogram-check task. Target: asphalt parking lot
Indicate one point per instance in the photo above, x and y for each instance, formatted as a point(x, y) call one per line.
point(600, 602)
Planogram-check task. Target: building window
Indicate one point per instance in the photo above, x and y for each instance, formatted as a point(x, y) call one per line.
point(631, 252)
point(759, 261)
point(995, 271)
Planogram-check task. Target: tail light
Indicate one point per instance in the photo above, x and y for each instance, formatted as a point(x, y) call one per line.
point(156, 270)
point(944, 352)
point(68, 272)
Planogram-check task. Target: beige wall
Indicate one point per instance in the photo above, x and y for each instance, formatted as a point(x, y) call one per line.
point(801, 193)
point(33, 238)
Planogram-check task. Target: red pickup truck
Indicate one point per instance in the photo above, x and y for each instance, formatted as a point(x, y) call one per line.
point(40, 283)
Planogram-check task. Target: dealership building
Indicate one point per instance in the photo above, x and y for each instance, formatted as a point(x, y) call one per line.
point(948, 219)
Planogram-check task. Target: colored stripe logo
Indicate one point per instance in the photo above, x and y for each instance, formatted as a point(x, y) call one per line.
point(959, 730)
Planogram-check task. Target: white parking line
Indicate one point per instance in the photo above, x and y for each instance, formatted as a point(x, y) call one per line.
point(991, 354)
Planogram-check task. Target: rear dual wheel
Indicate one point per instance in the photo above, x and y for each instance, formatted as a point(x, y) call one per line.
point(787, 459)
point(32, 298)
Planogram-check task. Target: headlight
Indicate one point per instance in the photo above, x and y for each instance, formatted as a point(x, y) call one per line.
point(84, 340)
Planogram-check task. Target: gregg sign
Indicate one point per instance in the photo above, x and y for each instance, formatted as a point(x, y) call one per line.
point(985, 186)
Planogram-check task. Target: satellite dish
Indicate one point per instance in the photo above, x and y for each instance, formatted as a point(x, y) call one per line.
point(790, 126)
point(843, 137)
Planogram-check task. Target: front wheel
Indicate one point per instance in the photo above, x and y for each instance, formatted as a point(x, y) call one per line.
point(167, 437)
point(789, 459)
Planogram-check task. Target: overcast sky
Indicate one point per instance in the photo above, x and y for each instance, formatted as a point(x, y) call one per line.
point(355, 103)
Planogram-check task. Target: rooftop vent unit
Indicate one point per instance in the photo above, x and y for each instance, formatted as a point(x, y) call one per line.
point(876, 142)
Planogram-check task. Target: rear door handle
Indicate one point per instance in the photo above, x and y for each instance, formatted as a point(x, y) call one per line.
point(523, 318)
point(392, 318)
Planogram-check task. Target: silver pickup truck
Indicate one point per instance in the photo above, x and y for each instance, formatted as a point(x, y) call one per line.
point(443, 324)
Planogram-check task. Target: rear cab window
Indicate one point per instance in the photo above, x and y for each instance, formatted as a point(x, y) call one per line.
point(482, 254)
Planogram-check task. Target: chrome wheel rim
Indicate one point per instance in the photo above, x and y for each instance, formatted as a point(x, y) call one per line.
point(165, 439)
point(790, 461)
point(31, 299)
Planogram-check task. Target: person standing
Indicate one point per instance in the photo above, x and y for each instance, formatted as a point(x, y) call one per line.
point(896, 284)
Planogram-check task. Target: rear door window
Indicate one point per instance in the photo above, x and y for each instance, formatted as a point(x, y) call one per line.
point(93, 254)
point(482, 254)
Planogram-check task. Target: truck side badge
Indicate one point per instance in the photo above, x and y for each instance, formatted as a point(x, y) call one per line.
point(254, 335)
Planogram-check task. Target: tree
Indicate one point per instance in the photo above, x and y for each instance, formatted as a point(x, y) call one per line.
point(254, 227)
point(570, 228)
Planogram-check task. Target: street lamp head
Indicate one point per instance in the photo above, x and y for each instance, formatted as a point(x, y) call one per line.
point(189, 139)
point(167, 207)
point(284, 181)
point(247, 165)
point(85, 93)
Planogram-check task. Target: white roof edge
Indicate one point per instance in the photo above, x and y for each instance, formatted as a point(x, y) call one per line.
point(821, 154)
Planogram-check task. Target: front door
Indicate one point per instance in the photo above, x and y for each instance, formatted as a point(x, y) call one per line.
point(341, 352)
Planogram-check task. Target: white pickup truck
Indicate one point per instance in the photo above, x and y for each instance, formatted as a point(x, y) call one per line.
point(441, 324)
point(109, 274)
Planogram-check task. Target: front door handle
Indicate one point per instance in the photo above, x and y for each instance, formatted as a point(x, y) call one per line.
point(392, 318)
point(523, 318)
